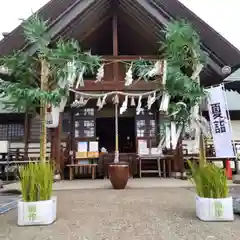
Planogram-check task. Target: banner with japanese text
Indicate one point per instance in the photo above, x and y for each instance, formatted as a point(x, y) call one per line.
point(219, 122)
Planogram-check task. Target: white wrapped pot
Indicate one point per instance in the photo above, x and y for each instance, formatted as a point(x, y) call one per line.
point(37, 213)
point(214, 209)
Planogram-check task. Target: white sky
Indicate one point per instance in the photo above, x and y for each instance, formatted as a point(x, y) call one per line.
point(222, 15)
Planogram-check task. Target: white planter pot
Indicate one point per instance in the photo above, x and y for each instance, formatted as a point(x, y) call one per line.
point(37, 213)
point(214, 209)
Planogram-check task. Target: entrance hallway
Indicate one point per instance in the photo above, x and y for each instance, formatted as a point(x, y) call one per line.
point(105, 132)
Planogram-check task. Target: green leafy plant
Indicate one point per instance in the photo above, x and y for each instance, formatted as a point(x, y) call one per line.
point(181, 49)
point(210, 180)
point(40, 78)
point(36, 181)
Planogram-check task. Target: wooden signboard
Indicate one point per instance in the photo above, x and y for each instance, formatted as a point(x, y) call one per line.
point(82, 150)
point(93, 149)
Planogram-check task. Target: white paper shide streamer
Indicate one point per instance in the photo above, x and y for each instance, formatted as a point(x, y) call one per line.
point(156, 70)
point(164, 77)
point(81, 102)
point(62, 82)
point(164, 102)
point(171, 137)
point(100, 73)
point(5, 70)
point(133, 102)
point(72, 75)
point(151, 100)
point(123, 108)
point(101, 103)
point(175, 134)
point(139, 108)
point(63, 104)
point(53, 117)
point(129, 76)
point(116, 99)
point(80, 81)
point(168, 138)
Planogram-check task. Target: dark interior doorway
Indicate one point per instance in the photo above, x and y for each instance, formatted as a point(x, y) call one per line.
point(105, 131)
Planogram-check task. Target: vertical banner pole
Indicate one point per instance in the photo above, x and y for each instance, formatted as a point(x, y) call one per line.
point(220, 125)
point(230, 126)
point(116, 159)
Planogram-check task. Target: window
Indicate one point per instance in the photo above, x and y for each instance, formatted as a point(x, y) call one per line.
point(84, 128)
point(13, 132)
point(141, 125)
point(84, 112)
point(152, 128)
point(89, 128)
point(77, 124)
point(88, 123)
point(77, 133)
point(77, 129)
point(85, 122)
point(88, 111)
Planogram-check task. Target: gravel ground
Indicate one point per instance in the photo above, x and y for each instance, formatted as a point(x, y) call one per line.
point(141, 214)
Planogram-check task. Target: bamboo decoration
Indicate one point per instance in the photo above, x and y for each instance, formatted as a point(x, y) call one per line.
point(43, 110)
point(202, 154)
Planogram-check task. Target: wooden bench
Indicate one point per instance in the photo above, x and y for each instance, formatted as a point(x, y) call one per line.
point(164, 163)
point(91, 168)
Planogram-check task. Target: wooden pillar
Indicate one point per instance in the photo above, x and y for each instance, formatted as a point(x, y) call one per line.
point(115, 43)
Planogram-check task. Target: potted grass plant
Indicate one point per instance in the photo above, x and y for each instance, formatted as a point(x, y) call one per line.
point(37, 206)
point(213, 202)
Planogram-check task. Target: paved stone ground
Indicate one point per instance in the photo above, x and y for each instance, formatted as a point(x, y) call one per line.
point(131, 214)
point(105, 184)
point(8, 200)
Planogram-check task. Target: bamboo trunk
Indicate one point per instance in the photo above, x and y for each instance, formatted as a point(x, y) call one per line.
point(202, 153)
point(43, 111)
